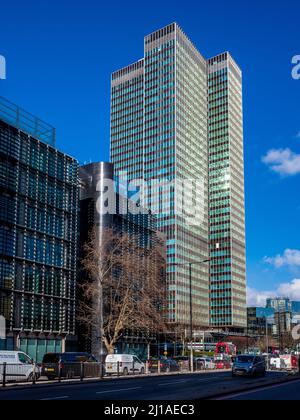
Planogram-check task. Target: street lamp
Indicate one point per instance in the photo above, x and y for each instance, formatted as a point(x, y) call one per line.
point(267, 341)
point(190, 265)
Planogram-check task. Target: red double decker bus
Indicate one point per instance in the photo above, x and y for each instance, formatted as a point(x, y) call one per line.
point(226, 349)
point(224, 355)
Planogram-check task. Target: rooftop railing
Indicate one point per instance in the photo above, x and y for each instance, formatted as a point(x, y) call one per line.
point(24, 121)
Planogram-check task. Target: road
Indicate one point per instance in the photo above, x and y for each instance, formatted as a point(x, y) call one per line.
point(283, 392)
point(166, 388)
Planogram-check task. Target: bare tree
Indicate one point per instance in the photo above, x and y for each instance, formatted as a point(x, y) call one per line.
point(287, 341)
point(129, 278)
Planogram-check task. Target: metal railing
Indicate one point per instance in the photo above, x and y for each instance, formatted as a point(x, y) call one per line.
point(58, 372)
point(14, 115)
point(32, 373)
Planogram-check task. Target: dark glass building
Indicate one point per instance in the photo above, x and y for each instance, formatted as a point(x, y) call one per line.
point(95, 179)
point(259, 319)
point(38, 235)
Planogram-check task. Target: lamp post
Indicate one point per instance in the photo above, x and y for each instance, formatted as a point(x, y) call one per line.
point(267, 341)
point(190, 265)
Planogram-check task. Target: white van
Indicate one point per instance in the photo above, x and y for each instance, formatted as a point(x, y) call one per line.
point(123, 364)
point(19, 366)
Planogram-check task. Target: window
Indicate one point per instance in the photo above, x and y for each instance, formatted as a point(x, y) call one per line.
point(29, 279)
point(6, 274)
point(30, 247)
point(7, 209)
point(8, 177)
point(51, 165)
point(27, 314)
point(48, 283)
point(5, 306)
point(24, 359)
point(34, 156)
point(6, 241)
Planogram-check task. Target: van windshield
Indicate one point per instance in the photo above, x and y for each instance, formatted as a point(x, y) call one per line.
point(245, 359)
point(24, 359)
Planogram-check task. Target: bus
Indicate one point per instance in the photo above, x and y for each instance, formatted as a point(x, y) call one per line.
point(225, 354)
point(225, 349)
point(203, 347)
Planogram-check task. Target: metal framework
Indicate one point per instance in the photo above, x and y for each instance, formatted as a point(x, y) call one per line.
point(28, 123)
point(39, 196)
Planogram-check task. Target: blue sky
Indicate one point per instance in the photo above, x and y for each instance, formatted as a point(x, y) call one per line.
point(60, 55)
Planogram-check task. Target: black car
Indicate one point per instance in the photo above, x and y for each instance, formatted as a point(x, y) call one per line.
point(166, 366)
point(69, 365)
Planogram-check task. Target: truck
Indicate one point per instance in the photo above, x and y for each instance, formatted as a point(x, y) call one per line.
point(289, 362)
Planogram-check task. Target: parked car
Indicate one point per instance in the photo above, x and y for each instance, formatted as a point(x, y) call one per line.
point(223, 362)
point(69, 364)
point(204, 363)
point(166, 365)
point(19, 367)
point(124, 364)
point(183, 362)
point(249, 365)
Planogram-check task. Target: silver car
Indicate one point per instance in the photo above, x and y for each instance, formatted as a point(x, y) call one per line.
point(249, 365)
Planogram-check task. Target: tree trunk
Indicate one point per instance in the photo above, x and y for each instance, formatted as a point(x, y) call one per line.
point(110, 347)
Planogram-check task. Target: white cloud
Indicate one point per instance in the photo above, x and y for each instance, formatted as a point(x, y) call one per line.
point(283, 161)
point(291, 290)
point(287, 290)
point(258, 298)
point(291, 258)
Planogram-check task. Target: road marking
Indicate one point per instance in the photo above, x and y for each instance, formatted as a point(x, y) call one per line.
point(209, 380)
point(118, 390)
point(55, 398)
point(172, 383)
point(256, 391)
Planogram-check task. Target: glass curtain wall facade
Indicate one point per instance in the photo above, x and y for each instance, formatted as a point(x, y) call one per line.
point(38, 240)
point(280, 304)
point(141, 226)
point(127, 120)
point(159, 132)
point(226, 193)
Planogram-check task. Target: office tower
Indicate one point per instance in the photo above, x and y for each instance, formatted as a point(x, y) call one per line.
point(164, 126)
point(260, 320)
point(116, 214)
point(295, 307)
point(38, 235)
point(280, 304)
point(226, 193)
point(281, 314)
point(159, 131)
